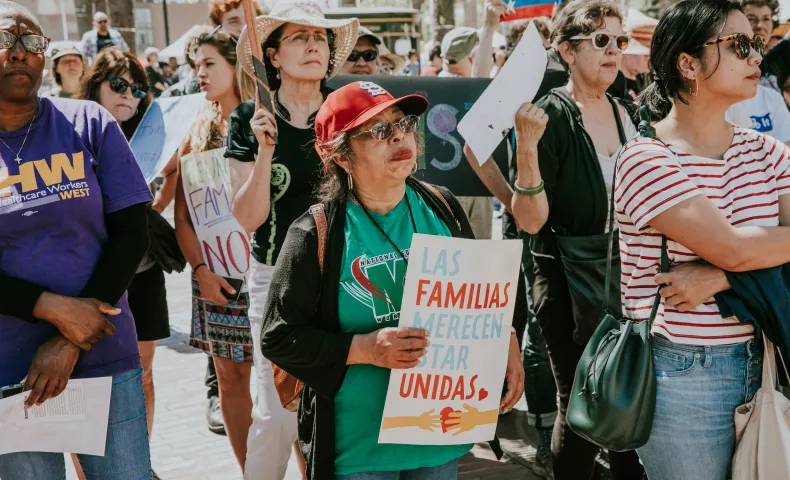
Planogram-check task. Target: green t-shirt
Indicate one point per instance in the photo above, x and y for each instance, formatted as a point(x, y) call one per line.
point(371, 264)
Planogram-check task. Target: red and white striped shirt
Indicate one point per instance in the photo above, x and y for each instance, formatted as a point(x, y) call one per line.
point(651, 179)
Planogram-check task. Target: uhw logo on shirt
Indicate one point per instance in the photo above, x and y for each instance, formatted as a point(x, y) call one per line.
point(39, 182)
point(378, 284)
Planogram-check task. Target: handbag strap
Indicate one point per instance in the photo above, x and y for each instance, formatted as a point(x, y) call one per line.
point(319, 216)
point(610, 247)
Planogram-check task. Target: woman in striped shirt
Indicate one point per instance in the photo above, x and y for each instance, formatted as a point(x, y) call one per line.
point(719, 193)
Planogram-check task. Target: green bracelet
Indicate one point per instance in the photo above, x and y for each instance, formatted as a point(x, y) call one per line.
point(528, 192)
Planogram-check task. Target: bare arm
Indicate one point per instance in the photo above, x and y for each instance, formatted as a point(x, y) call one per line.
point(492, 178)
point(484, 59)
point(167, 192)
point(530, 211)
point(251, 181)
point(697, 224)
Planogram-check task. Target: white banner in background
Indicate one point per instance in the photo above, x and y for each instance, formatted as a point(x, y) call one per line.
point(161, 131)
point(463, 292)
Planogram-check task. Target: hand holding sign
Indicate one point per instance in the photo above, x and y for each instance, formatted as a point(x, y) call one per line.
point(400, 347)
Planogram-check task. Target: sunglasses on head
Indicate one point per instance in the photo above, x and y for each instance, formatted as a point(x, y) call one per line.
point(603, 40)
point(384, 130)
point(742, 44)
point(120, 85)
point(366, 55)
point(33, 43)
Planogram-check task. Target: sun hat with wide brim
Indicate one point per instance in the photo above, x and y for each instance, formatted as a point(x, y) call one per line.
point(300, 12)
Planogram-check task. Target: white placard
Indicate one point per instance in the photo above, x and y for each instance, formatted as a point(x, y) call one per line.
point(494, 113)
point(161, 131)
point(73, 422)
point(463, 292)
point(224, 243)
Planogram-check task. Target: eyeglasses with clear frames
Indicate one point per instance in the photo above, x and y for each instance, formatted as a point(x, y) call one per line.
point(301, 38)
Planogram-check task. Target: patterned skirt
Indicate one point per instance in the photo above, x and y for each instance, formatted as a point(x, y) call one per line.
point(223, 331)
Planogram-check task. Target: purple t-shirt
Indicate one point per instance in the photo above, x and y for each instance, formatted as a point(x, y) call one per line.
point(76, 167)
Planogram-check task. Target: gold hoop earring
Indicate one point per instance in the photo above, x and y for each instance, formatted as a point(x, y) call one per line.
point(350, 183)
point(415, 168)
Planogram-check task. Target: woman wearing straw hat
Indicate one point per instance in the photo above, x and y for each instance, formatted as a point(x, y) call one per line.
point(273, 184)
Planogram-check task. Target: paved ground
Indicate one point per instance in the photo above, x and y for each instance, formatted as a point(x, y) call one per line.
point(182, 447)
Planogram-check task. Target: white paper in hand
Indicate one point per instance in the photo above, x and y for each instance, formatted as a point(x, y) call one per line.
point(73, 422)
point(494, 113)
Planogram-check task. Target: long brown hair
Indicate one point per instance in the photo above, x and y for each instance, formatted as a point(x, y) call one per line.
point(205, 133)
point(112, 62)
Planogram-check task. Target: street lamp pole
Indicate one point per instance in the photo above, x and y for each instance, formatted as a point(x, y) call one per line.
point(167, 25)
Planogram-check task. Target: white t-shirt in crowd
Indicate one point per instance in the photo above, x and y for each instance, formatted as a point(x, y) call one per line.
point(766, 113)
point(651, 179)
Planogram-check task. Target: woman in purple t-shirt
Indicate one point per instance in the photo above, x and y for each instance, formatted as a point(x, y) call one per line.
point(72, 234)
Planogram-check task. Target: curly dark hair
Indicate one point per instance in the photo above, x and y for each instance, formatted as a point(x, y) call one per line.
point(772, 4)
point(113, 62)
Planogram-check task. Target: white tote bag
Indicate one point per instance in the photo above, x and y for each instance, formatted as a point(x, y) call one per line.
point(762, 430)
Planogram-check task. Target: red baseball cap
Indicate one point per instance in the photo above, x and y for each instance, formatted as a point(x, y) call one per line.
point(351, 106)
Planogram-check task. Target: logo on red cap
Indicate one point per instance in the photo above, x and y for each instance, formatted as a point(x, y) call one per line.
point(373, 89)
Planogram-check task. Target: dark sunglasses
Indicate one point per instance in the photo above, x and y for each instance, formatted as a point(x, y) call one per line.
point(33, 43)
point(120, 85)
point(742, 44)
point(367, 55)
point(384, 130)
point(602, 40)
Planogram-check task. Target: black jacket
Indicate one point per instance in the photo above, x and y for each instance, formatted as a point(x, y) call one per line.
point(301, 326)
point(575, 187)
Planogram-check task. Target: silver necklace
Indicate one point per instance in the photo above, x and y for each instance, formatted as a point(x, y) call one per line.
point(18, 158)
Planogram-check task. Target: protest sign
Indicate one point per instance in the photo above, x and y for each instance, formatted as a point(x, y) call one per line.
point(462, 292)
point(494, 113)
point(161, 131)
point(443, 162)
point(224, 243)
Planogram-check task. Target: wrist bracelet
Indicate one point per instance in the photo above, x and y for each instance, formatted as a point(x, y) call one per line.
point(194, 270)
point(528, 192)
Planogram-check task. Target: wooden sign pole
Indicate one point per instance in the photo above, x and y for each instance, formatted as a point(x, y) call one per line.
point(263, 95)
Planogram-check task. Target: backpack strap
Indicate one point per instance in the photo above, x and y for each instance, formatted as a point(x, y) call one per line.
point(444, 201)
point(319, 215)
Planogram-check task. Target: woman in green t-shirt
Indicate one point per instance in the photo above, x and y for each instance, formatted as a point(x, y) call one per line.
point(338, 330)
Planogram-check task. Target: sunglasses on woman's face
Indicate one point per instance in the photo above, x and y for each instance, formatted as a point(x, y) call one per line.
point(742, 44)
point(603, 40)
point(33, 43)
point(366, 55)
point(384, 130)
point(120, 85)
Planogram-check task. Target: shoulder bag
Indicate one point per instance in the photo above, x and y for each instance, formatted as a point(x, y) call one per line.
point(613, 399)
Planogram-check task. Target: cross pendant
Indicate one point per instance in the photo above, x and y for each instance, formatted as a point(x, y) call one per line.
point(18, 160)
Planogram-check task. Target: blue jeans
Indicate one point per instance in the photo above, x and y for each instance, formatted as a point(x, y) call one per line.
point(448, 471)
point(126, 455)
point(698, 391)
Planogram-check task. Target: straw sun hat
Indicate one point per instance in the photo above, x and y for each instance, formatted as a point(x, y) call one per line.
point(300, 12)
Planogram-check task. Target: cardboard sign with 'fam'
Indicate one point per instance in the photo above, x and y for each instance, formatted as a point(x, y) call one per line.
point(462, 292)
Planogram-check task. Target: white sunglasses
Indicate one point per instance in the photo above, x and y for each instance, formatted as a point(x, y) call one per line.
point(603, 40)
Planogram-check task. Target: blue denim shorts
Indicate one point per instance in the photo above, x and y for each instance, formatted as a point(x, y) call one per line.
point(448, 471)
point(126, 455)
point(698, 390)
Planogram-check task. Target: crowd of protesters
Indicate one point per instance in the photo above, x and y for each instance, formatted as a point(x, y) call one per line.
point(82, 287)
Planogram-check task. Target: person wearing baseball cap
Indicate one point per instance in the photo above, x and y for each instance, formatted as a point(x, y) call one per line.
point(457, 49)
point(101, 37)
point(363, 59)
point(338, 331)
point(68, 68)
